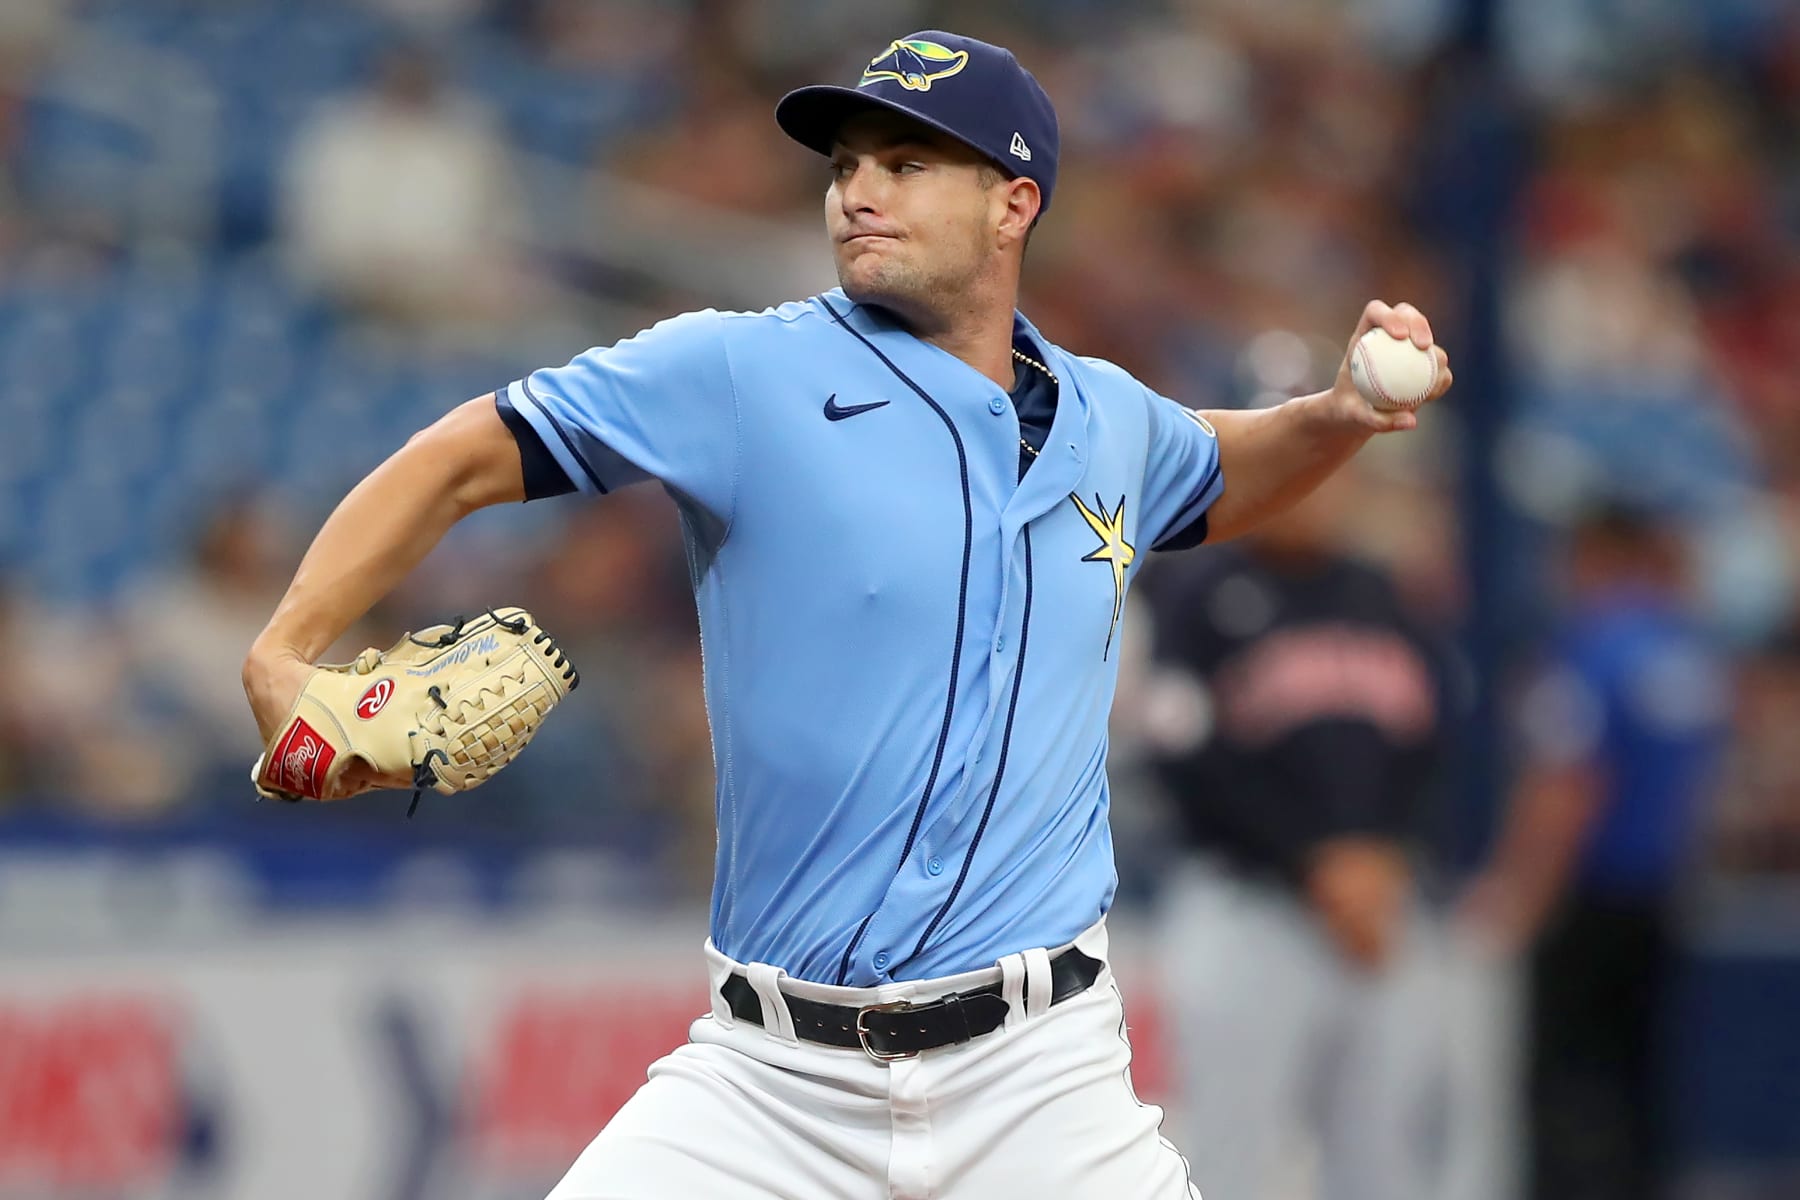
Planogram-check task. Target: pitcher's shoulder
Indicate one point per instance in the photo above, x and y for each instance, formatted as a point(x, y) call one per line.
point(793, 314)
point(1104, 374)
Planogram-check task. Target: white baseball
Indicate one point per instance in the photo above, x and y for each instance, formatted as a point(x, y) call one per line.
point(1391, 373)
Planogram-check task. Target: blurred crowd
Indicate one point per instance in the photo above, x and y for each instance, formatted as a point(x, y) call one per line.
point(499, 185)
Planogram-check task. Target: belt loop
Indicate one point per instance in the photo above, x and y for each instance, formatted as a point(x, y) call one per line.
point(1012, 989)
point(778, 1022)
point(718, 970)
point(1037, 982)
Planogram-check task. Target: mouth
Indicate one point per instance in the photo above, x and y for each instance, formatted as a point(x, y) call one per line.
point(868, 238)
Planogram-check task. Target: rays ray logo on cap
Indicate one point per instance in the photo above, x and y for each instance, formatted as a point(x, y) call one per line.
point(914, 64)
point(993, 106)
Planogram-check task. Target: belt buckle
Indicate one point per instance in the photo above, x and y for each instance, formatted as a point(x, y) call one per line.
point(862, 1030)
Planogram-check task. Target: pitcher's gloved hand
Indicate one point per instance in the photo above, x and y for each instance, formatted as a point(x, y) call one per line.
point(443, 708)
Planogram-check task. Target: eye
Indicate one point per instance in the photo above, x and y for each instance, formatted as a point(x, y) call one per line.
point(909, 168)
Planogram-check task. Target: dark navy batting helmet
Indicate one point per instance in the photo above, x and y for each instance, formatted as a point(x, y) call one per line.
point(975, 92)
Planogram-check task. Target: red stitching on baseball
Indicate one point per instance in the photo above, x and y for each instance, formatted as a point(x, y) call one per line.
point(1368, 362)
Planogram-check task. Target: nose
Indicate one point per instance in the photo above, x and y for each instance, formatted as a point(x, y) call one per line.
point(857, 190)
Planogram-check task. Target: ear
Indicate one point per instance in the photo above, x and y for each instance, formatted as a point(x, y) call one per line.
point(1022, 200)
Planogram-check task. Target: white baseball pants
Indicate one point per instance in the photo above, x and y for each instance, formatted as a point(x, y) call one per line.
point(1040, 1109)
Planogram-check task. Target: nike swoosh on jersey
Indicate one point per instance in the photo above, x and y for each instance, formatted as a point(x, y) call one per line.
point(837, 412)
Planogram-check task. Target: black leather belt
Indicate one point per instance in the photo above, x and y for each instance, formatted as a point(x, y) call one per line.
point(901, 1029)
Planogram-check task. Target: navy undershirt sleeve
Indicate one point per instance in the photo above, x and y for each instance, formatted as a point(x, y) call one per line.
point(1189, 537)
point(543, 477)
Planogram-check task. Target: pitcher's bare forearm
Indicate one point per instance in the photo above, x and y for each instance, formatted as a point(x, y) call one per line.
point(1273, 458)
point(389, 522)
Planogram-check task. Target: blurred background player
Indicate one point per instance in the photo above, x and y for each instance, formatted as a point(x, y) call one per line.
point(1621, 734)
point(1295, 949)
point(1757, 821)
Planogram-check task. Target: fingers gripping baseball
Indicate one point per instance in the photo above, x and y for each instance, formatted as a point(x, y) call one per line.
point(1401, 321)
point(1392, 368)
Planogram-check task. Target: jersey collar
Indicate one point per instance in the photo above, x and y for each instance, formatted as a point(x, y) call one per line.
point(894, 339)
point(965, 394)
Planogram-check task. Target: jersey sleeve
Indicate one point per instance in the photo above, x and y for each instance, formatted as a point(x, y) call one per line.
point(1181, 476)
point(544, 476)
point(660, 405)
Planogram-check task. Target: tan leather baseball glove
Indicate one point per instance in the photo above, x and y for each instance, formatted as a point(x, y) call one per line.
point(447, 706)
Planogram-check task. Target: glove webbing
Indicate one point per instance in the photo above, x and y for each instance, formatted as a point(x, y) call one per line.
point(423, 775)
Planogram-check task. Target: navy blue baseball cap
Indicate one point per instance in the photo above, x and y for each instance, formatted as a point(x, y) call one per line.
point(975, 92)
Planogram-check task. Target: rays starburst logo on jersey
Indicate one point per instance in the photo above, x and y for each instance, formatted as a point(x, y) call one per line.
point(1114, 551)
point(914, 64)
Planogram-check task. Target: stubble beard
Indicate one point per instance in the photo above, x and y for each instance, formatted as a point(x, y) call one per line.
point(921, 293)
point(904, 287)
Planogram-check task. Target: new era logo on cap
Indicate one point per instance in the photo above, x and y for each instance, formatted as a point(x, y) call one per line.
point(973, 91)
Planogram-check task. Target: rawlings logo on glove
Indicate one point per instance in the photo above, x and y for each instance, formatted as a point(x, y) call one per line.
point(375, 699)
point(492, 681)
point(299, 758)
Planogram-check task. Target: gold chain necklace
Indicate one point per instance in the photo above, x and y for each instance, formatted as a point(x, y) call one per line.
point(1051, 375)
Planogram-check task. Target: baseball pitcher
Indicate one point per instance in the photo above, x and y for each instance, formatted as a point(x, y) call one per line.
point(912, 521)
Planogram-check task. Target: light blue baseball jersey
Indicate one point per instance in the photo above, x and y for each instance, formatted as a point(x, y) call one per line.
point(910, 653)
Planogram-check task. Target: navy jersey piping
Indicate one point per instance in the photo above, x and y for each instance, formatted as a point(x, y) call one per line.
point(1012, 710)
point(593, 478)
point(962, 614)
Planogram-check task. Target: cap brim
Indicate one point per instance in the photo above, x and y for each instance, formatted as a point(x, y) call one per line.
point(813, 115)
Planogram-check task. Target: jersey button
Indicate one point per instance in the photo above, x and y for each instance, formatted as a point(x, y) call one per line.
point(881, 961)
point(997, 405)
point(1000, 644)
point(935, 866)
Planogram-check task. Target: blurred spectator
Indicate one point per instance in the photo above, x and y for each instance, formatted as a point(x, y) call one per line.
point(620, 38)
point(722, 150)
point(1758, 829)
point(187, 629)
point(400, 202)
point(26, 738)
point(1621, 736)
point(72, 735)
point(431, 15)
point(28, 30)
point(12, 213)
point(1293, 941)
